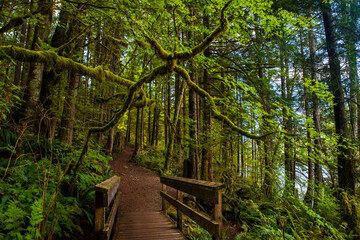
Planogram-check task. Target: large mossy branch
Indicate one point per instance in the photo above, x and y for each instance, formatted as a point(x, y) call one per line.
point(183, 73)
point(202, 46)
point(159, 50)
point(52, 59)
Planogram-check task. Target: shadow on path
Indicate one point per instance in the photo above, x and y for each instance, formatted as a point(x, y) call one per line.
point(139, 187)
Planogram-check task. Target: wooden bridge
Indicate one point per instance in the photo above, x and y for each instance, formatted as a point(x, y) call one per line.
point(156, 225)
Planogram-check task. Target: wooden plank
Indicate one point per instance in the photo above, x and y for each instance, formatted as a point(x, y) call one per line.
point(203, 221)
point(106, 232)
point(109, 188)
point(146, 225)
point(167, 236)
point(201, 189)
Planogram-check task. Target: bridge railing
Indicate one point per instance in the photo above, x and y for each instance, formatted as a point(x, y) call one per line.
point(208, 191)
point(107, 196)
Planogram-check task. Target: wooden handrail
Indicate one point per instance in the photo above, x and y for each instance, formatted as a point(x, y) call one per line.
point(208, 191)
point(104, 198)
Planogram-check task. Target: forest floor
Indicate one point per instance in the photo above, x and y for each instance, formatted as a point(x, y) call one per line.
point(139, 187)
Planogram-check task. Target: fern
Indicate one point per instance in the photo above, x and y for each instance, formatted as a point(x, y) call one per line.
point(35, 219)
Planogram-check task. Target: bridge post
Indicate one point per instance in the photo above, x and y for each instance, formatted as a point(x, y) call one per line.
point(164, 205)
point(179, 213)
point(217, 214)
point(99, 212)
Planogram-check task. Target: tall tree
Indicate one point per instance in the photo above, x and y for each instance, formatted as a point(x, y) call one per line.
point(32, 109)
point(345, 156)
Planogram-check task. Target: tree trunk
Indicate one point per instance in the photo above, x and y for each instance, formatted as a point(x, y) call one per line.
point(178, 100)
point(149, 119)
point(32, 109)
point(68, 116)
point(128, 129)
point(60, 37)
point(190, 163)
point(207, 152)
point(349, 19)
point(345, 157)
point(17, 73)
point(141, 144)
point(137, 132)
point(310, 183)
point(289, 175)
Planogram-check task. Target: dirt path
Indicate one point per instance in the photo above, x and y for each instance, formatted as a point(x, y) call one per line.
point(139, 186)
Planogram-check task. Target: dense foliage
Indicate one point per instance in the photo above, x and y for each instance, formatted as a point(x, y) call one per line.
point(260, 95)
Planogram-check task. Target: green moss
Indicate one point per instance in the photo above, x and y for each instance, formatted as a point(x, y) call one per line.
point(51, 58)
point(117, 41)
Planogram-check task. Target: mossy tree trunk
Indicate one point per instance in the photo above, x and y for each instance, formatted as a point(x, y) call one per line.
point(66, 130)
point(32, 109)
point(190, 166)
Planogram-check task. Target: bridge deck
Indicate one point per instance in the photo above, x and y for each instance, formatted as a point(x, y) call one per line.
point(145, 225)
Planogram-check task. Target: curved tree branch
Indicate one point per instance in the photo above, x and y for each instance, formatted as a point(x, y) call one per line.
point(183, 73)
point(202, 46)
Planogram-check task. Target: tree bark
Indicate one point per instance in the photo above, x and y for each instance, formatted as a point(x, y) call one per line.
point(68, 117)
point(345, 158)
point(137, 132)
point(128, 128)
point(32, 109)
point(207, 171)
point(349, 21)
point(289, 174)
point(310, 183)
point(17, 74)
point(190, 163)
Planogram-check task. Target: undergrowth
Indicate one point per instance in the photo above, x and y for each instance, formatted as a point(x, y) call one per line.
point(151, 158)
point(35, 203)
point(283, 217)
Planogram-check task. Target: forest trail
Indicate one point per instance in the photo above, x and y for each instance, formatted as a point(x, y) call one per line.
point(139, 214)
point(139, 187)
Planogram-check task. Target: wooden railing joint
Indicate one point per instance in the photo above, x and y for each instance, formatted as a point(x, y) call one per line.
point(208, 191)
